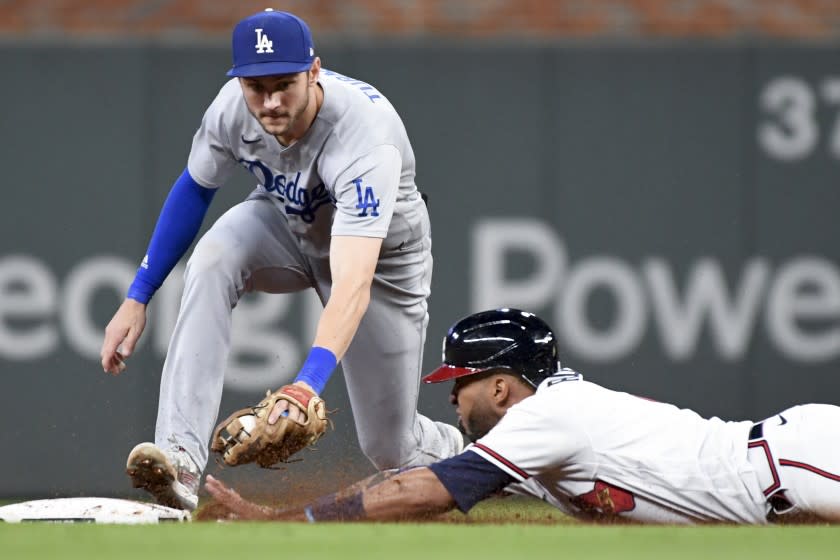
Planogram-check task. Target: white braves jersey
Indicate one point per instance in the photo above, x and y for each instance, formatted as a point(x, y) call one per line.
point(351, 174)
point(589, 450)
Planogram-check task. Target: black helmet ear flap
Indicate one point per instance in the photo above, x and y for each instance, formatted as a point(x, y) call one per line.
point(501, 338)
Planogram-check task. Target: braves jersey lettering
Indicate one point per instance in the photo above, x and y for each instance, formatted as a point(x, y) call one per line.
point(366, 202)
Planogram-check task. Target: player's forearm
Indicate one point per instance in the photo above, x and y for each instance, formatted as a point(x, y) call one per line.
point(414, 494)
point(352, 264)
point(342, 315)
point(338, 325)
point(176, 228)
point(385, 496)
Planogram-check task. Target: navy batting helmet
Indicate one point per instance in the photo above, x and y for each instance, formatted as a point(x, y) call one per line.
point(499, 339)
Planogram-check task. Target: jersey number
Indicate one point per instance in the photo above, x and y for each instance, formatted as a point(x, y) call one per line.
point(367, 200)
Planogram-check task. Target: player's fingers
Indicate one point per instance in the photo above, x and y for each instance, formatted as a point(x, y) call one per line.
point(217, 489)
point(210, 483)
point(231, 499)
point(129, 342)
point(281, 408)
point(297, 415)
point(111, 365)
point(109, 349)
point(119, 362)
point(214, 486)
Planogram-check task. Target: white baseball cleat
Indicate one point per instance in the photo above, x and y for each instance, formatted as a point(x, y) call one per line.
point(172, 478)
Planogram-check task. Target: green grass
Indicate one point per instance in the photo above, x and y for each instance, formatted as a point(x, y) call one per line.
point(507, 538)
point(408, 542)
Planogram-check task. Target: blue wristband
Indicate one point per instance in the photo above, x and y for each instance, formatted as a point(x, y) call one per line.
point(335, 508)
point(317, 368)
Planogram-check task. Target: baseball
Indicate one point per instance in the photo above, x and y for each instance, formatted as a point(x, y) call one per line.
point(248, 422)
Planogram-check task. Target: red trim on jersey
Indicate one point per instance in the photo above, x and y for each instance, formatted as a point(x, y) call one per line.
point(447, 372)
point(502, 460)
point(776, 482)
point(807, 467)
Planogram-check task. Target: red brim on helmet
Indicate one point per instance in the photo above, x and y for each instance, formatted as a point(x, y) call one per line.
point(447, 372)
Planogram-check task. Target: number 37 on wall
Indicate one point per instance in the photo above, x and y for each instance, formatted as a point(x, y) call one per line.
point(793, 112)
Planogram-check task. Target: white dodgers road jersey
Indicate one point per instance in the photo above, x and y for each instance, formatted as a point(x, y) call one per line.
point(351, 174)
point(593, 452)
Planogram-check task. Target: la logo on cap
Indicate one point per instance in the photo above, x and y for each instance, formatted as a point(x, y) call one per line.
point(264, 45)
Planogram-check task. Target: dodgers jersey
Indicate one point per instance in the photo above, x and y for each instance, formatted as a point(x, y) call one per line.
point(351, 174)
point(591, 451)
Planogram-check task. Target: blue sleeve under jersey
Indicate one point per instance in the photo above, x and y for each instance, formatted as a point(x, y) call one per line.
point(176, 228)
point(470, 478)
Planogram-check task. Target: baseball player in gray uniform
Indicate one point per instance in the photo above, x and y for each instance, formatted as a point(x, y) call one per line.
point(336, 209)
point(593, 453)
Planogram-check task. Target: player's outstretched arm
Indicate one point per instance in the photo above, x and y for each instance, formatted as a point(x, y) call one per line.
point(176, 228)
point(122, 334)
point(352, 264)
point(386, 496)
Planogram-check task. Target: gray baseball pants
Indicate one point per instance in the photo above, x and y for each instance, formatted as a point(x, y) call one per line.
point(251, 248)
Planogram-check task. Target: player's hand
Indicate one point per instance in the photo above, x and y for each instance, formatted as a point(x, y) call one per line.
point(239, 507)
point(122, 334)
point(284, 408)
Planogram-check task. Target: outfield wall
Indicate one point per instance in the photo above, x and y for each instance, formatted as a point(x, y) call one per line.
point(671, 211)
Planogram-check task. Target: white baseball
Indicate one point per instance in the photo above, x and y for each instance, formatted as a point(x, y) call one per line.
point(248, 422)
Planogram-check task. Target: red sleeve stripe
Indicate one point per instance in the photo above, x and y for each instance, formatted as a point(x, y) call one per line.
point(766, 447)
point(522, 474)
point(813, 469)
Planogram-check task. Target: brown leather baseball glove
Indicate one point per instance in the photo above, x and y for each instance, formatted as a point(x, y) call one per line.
point(247, 437)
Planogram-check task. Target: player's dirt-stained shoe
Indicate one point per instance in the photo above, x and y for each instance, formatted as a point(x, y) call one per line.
point(172, 478)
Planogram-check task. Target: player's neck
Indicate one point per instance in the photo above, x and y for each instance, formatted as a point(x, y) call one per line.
point(306, 119)
point(519, 394)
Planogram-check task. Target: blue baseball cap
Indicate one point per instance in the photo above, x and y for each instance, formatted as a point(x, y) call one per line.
point(269, 43)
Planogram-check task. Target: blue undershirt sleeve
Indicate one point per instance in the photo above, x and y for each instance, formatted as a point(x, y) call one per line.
point(470, 478)
point(178, 224)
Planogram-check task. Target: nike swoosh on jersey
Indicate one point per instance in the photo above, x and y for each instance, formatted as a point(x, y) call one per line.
point(254, 141)
point(784, 420)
